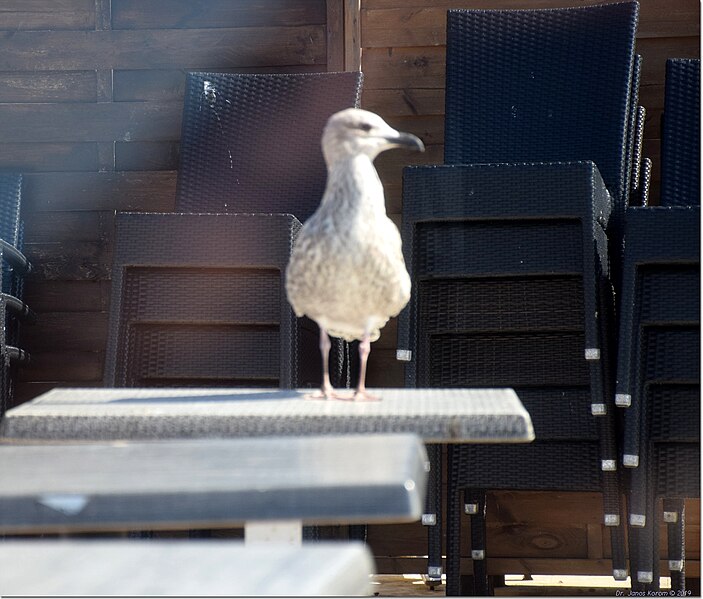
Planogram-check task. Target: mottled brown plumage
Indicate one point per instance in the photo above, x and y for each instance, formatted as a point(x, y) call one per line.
point(346, 271)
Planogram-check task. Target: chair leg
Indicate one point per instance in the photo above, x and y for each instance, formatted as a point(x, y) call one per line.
point(656, 573)
point(635, 541)
point(476, 498)
point(358, 532)
point(453, 587)
point(674, 516)
point(618, 551)
point(432, 518)
point(613, 519)
point(648, 551)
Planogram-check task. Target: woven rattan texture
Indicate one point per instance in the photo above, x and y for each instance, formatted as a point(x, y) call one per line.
point(205, 240)
point(6, 379)
point(541, 85)
point(10, 229)
point(633, 152)
point(668, 404)
point(559, 413)
point(495, 191)
point(511, 469)
point(678, 469)
point(671, 354)
point(533, 247)
point(251, 143)
point(158, 352)
point(225, 295)
point(681, 143)
point(669, 293)
point(660, 264)
point(10, 197)
point(194, 278)
point(677, 229)
point(11, 232)
point(636, 179)
point(501, 304)
point(507, 360)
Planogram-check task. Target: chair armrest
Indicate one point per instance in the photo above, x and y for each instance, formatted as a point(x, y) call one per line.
point(15, 258)
point(19, 309)
point(15, 354)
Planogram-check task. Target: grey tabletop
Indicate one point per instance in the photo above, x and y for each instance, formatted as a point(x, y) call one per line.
point(189, 484)
point(436, 415)
point(179, 568)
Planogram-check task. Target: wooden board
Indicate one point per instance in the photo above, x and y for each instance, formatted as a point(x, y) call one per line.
point(53, 192)
point(425, 25)
point(164, 48)
point(17, 15)
point(181, 14)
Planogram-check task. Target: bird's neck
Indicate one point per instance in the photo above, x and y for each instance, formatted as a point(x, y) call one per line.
point(354, 180)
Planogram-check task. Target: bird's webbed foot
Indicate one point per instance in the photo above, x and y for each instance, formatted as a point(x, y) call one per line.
point(364, 395)
point(327, 392)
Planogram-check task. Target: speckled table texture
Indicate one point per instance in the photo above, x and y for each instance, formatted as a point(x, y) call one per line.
point(436, 415)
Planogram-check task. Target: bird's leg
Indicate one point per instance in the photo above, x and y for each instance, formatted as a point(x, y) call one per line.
point(325, 347)
point(364, 351)
point(326, 391)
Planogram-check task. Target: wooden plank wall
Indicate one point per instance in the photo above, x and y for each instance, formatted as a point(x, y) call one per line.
point(90, 107)
point(402, 45)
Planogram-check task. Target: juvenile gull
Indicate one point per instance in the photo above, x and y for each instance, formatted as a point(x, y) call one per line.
point(346, 271)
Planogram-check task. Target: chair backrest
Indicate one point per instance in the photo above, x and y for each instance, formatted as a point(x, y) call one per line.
point(542, 85)
point(681, 155)
point(251, 143)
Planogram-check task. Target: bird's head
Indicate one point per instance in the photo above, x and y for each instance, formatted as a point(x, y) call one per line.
point(354, 131)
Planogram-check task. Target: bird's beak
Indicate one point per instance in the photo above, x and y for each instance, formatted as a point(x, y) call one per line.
point(407, 140)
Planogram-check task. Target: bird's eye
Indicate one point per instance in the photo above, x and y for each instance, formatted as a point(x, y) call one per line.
point(365, 127)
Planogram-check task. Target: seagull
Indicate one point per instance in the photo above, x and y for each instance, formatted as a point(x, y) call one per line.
point(346, 271)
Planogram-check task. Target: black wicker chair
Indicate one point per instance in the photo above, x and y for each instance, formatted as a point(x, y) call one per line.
point(525, 87)
point(251, 144)
point(658, 378)
point(198, 300)
point(666, 283)
point(680, 151)
point(547, 85)
point(244, 137)
point(506, 267)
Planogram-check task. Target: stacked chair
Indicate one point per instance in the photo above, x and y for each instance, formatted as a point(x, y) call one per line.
point(199, 301)
point(198, 295)
point(658, 375)
point(509, 243)
point(14, 267)
point(681, 151)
